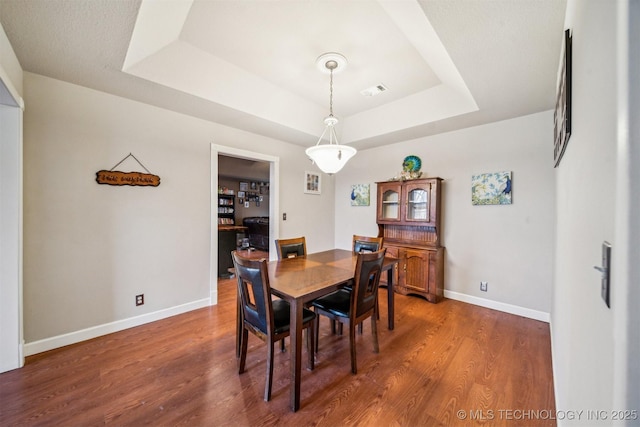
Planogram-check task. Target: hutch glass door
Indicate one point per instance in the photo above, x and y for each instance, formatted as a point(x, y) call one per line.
point(390, 209)
point(417, 203)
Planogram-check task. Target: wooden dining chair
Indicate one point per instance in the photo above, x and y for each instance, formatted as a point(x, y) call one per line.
point(366, 244)
point(291, 248)
point(353, 307)
point(265, 317)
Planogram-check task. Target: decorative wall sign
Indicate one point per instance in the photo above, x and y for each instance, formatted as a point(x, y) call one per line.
point(360, 195)
point(562, 115)
point(491, 189)
point(111, 177)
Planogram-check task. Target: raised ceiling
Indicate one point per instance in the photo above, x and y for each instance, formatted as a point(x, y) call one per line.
point(447, 64)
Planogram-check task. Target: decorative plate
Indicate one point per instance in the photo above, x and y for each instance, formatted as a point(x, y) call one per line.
point(411, 164)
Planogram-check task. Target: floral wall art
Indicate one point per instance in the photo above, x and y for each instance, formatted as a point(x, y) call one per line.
point(360, 195)
point(491, 189)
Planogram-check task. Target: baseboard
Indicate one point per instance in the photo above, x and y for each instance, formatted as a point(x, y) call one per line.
point(500, 306)
point(47, 344)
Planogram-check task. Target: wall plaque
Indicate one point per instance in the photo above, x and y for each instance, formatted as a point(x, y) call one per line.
point(111, 177)
point(127, 178)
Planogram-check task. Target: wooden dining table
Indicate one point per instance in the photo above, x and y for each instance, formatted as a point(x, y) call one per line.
point(303, 279)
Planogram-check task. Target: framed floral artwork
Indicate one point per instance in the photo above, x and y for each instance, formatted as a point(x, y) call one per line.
point(360, 195)
point(491, 189)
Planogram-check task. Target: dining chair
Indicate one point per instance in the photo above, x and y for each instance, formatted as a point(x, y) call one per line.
point(291, 248)
point(366, 244)
point(353, 307)
point(264, 316)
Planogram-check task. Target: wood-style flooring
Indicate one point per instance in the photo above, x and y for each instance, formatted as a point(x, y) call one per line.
point(446, 364)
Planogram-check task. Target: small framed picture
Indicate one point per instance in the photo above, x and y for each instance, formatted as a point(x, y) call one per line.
point(254, 186)
point(240, 194)
point(312, 183)
point(244, 186)
point(246, 204)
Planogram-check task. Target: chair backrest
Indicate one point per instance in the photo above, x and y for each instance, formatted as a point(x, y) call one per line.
point(366, 281)
point(366, 244)
point(291, 248)
point(255, 293)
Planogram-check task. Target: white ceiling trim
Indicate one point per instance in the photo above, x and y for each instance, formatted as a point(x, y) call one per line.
point(156, 54)
point(438, 103)
point(158, 24)
point(449, 99)
point(412, 21)
point(188, 69)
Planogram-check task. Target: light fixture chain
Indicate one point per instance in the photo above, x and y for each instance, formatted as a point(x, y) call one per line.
point(331, 92)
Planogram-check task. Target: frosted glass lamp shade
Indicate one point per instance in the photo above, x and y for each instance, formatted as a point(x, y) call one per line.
point(330, 158)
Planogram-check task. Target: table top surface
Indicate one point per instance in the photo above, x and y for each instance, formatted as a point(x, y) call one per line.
point(305, 277)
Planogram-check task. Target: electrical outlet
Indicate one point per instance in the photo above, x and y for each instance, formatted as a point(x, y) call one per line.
point(484, 286)
point(139, 299)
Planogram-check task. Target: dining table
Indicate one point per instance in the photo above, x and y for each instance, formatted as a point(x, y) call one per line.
point(300, 280)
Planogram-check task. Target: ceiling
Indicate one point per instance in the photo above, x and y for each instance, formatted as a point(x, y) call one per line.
point(251, 64)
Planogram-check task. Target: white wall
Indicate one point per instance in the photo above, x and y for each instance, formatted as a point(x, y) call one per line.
point(582, 325)
point(626, 275)
point(90, 248)
point(510, 246)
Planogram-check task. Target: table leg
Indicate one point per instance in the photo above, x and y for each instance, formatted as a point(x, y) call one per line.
point(390, 298)
point(296, 352)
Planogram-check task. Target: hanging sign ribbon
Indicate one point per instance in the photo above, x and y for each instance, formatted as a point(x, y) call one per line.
point(111, 177)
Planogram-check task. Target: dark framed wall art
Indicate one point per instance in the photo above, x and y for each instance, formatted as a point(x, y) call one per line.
point(562, 115)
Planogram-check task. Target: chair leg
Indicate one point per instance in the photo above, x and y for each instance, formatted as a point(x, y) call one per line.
point(282, 347)
point(352, 345)
point(317, 334)
point(267, 387)
point(310, 345)
point(244, 337)
point(374, 332)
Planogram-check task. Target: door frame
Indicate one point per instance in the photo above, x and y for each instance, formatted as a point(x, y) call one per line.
point(11, 208)
point(274, 214)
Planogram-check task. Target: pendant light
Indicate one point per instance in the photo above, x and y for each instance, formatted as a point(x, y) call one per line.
point(330, 157)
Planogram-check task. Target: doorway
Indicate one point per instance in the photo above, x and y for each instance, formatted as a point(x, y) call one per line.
point(222, 152)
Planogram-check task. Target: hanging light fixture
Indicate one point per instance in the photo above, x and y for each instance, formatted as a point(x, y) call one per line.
point(330, 157)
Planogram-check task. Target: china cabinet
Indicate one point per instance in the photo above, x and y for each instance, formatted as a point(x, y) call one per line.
point(408, 217)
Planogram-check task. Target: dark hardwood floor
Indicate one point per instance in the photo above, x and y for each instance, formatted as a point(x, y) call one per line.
point(444, 364)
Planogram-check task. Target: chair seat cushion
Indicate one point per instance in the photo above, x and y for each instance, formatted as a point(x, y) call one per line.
point(337, 303)
point(281, 312)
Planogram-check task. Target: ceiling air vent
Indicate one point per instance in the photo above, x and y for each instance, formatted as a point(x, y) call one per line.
point(374, 90)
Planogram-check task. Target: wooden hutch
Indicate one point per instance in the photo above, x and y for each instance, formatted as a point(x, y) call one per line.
point(408, 217)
